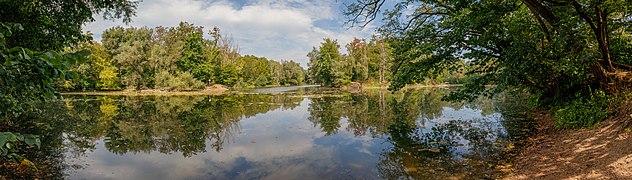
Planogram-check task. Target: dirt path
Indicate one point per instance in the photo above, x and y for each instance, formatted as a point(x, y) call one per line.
point(604, 152)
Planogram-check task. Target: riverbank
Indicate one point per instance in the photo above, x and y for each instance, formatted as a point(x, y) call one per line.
point(219, 90)
point(212, 90)
point(603, 152)
point(414, 86)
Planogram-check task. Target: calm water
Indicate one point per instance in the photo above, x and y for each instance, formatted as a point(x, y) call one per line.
point(303, 133)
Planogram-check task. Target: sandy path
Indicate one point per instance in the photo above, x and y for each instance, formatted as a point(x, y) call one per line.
point(604, 152)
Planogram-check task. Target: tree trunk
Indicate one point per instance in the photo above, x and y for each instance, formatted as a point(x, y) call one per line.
point(540, 10)
point(602, 38)
point(382, 62)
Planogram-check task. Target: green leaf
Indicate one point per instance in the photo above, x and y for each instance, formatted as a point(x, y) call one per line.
point(32, 140)
point(9, 145)
point(7, 137)
point(25, 55)
point(19, 137)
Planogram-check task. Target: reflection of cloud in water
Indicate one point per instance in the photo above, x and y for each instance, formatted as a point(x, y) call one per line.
point(274, 137)
point(278, 144)
point(470, 119)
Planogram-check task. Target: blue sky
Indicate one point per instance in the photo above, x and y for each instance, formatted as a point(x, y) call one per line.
point(276, 29)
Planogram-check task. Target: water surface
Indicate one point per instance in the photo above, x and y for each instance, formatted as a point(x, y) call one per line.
point(302, 134)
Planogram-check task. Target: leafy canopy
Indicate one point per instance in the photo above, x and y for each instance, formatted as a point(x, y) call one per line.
point(550, 48)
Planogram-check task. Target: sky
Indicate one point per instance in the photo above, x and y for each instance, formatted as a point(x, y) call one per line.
point(275, 29)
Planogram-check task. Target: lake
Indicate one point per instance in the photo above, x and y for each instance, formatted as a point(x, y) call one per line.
point(291, 133)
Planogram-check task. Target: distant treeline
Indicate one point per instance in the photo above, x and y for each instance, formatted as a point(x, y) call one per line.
point(370, 63)
point(174, 58)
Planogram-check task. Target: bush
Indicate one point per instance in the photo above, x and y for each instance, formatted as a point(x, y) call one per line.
point(183, 81)
point(186, 82)
point(583, 112)
point(261, 81)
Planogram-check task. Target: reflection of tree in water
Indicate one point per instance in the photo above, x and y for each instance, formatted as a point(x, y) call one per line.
point(369, 112)
point(465, 146)
point(433, 154)
point(326, 112)
point(143, 124)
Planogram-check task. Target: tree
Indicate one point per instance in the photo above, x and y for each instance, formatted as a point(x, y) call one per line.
point(292, 73)
point(192, 59)
point(129, 48)
point(31, 37)
point(276, 72)
point(134, 60)
point(321, 62)
point(255, 68)
point(553, 49)
point(55, 24)
point(359, 60)
point(380, 59)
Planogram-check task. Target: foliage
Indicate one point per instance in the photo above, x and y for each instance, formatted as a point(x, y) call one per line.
point(98, 71)
point(55, 24)
point(367, 62)
point(321, 63)
point(156, 57)
point(27, 76)
point(583, 112)
point(553, 48)
point(292, 73)
point(9, 143)
point(183, 81)
point(192, 58)
point(33, 38)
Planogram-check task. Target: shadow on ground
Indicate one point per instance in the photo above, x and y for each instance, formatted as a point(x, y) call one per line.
point(604, 152)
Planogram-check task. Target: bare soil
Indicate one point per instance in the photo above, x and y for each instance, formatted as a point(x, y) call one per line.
point(603, 152)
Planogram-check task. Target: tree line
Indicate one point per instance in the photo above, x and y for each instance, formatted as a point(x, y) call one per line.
point(369, 63)
point(174, 58)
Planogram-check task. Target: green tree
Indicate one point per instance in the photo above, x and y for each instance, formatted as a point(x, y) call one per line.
point(321, 62)
point(359, 60)
point(292, 73)
point(192, 58)
point(56, 24)
point(552, 49)
point(32, 35)
point(276, 72)
point(129, 48)
point(134, 60)
point(255, 68)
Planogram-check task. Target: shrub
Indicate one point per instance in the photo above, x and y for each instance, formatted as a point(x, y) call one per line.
point(583, 112)
point(183, 81)
point(261, 81)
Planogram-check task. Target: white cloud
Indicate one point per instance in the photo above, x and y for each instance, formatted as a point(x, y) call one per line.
point(277, 29)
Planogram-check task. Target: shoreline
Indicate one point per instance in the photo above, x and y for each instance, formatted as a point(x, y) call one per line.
point(415, 86)
point(601, 152)
point(222, 90)
point(213, 90)
point(154, 93)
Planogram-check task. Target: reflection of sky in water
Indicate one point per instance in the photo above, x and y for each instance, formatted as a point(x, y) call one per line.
point(279, 144)
point(490, 122)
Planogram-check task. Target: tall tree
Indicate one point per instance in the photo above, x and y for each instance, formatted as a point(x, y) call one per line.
point(55, 24)
point(133, 58)
point(31, 35)
point(564, 45)
point(359, 60)
point(321, 64)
